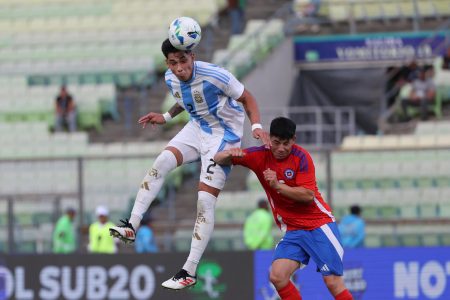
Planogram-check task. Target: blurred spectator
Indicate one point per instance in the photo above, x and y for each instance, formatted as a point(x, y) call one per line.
point(64, 237)
point(65, 111)
point(352, 229)
point(99, 239)
point(422, 92)
point(236, 9)
point(145, 239)
point(446, 60)
point(258, 228)
point(412, 71)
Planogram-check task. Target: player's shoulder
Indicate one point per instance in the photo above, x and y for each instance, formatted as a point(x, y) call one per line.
point(299, 151)
point(212, 70)
point(168, 75)
point(256, 149)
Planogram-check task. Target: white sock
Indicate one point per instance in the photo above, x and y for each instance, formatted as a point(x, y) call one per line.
point(204, 226)
point(151, 185)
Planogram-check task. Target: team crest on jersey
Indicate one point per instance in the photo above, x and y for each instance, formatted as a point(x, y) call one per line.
point(197, 97)
point(289, 173)
point(177, 95)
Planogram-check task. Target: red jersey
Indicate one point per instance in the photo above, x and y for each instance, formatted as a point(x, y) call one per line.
point(295, 170)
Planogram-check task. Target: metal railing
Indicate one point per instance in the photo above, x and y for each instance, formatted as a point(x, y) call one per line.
point(320, 127)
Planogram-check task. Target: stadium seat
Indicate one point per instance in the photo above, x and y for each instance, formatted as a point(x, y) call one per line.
point(411, 240)
point(431, 240)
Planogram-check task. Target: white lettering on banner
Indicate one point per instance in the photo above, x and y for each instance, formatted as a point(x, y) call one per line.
point(119, 289)
point(91, 282)
point(433, 269)
point(367, 53)
point(410, 279)
point(49, 282)
point(96, 285)
point(9, 281)
point(405, 279)
point(145, 274)
point(66, 279)
point(21, 290)
point(354, 280)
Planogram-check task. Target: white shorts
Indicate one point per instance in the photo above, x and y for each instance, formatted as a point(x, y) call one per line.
point(195, 144)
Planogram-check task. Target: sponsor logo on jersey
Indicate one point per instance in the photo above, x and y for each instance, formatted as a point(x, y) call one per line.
point(289, 173)
point(197, 97)
point(177, 95)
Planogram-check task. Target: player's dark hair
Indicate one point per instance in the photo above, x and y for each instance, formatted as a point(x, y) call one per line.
point(283, 128)
point(168, 48)
point(355, 210)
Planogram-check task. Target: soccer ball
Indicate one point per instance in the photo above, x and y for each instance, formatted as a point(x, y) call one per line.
point(184, 33)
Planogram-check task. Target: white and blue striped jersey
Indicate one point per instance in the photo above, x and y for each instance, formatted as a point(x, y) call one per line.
point(210, 98)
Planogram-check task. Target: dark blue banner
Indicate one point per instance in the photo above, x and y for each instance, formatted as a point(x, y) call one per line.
point(370, 47)
point(371, 274)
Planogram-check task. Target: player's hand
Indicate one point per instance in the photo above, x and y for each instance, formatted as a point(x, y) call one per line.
point(152, 118)
point(236, 152)
point(271, 177)
point(262, 135)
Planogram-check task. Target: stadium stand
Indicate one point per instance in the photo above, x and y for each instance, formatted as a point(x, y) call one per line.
point(96, 46)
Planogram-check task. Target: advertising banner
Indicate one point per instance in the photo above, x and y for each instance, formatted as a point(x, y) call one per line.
point(221, 276)
point(371, 274)
point(376, 47)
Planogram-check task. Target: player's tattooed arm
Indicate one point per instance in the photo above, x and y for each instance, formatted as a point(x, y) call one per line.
point(252, 111)
point(225, 157)
point(175, 110)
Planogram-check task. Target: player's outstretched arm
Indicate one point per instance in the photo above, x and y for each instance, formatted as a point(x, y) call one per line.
point(225, 157)
point(157, 118)
point(251, 108)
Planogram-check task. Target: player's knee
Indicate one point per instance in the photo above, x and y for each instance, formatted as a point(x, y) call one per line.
point(335, 284)
point(164, 163)
point(278, 279)
point(206, 204)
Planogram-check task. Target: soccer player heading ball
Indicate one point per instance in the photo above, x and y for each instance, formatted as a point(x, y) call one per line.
point(286, 172)
point(211, 95)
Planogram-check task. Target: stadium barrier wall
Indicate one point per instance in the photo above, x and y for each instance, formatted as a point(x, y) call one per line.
point(222, 276)
point(371, 274)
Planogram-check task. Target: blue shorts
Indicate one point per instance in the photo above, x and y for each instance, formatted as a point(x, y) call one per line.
point(322, 244)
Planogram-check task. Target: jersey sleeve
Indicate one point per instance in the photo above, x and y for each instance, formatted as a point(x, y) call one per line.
point(251, 159)
point(306, 176)
point(234, 88)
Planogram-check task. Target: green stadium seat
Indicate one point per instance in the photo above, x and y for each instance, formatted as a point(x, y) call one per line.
point(23, 219)
point(221, 244)
point(444, 210)
point(222, 216)
point(410, 240)
point(390, 241)
point(408, 212)
point(431, 240)
point(370, 212)
point(42, 217)
point(388, 212)
point(26, 247)
point(429, 211)
point(445, 239)
point(372, 241)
